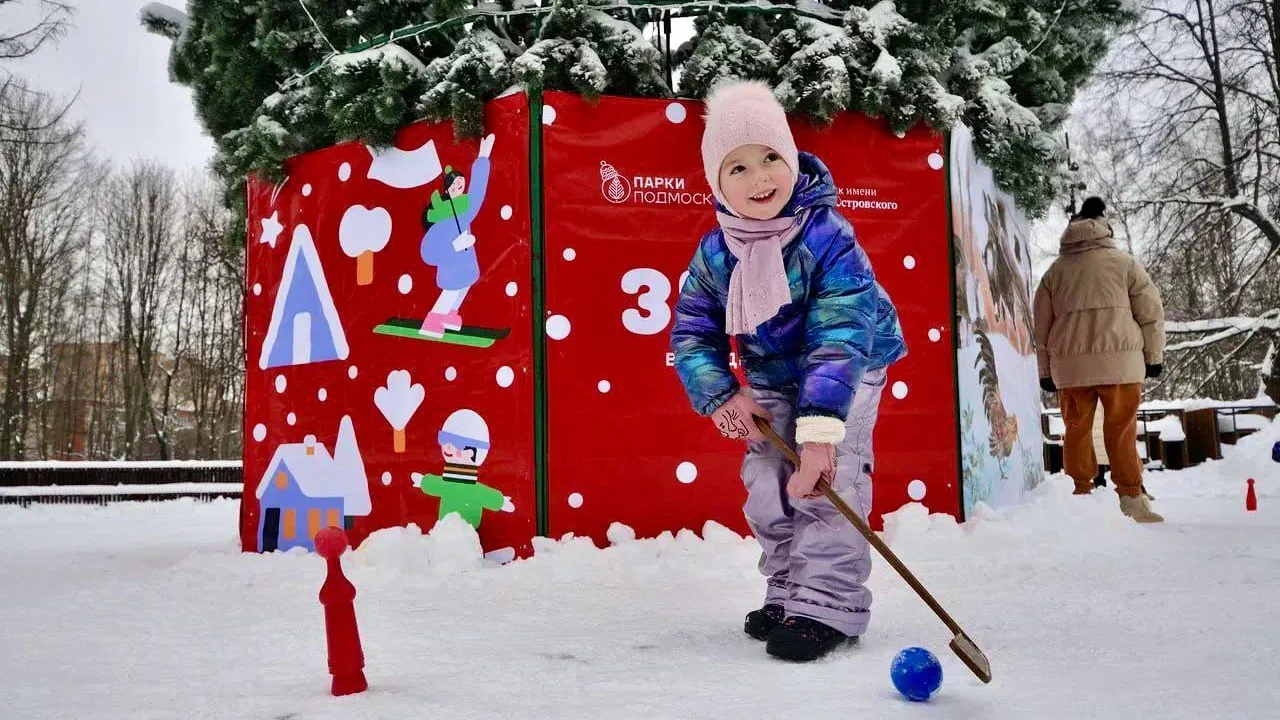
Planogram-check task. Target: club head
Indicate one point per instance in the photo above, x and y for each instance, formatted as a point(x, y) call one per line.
point(971, 656)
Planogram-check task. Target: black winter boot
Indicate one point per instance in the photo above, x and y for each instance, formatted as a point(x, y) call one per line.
point(761, 622)
point(804, 639)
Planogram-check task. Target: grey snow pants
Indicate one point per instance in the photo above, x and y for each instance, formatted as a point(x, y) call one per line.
point(814, 561)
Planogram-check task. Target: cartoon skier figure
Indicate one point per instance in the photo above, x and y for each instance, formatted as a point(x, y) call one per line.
point(464, 442)
point(448, 244)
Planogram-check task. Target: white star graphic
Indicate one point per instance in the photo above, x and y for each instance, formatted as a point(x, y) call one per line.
point(271, 228)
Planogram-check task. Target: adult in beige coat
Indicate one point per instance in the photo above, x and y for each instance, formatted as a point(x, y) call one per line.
point(1099, 327)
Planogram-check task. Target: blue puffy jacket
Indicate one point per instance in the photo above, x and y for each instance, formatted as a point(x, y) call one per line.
point(839, 324)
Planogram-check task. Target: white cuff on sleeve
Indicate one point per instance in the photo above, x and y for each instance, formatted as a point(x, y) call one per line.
point(819, 429)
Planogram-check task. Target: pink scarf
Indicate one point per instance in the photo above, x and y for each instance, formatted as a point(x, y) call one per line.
point(758, 287)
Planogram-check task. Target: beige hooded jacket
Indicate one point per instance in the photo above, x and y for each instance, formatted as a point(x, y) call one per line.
point(1099, 319)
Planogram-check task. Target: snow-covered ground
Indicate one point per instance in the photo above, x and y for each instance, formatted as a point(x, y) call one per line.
point(147, 610)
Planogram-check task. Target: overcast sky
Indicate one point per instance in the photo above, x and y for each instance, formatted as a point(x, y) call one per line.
point(129, 107)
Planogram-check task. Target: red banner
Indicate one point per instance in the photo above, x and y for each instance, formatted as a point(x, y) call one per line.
point(390, 363)
point(626, 203)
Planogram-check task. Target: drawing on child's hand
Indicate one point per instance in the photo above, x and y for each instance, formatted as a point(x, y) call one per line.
point(733, 425)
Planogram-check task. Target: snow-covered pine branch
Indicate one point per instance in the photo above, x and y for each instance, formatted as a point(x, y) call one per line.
point(164, 20)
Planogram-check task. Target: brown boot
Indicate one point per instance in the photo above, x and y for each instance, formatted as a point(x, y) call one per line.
point(1138, 507)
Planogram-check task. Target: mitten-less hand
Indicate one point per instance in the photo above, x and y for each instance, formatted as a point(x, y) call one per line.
point(817, 462)
point(734, 417)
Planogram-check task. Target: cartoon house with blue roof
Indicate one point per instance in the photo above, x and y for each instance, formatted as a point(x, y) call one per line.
point(306, 489)
point(304, 321)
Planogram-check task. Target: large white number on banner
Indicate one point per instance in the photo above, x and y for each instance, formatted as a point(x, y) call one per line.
point(653, 301)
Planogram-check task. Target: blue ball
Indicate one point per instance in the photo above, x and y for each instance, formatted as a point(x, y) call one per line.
point(916, 673)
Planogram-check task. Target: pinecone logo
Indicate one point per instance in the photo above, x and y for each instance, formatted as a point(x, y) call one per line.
point(613, 186)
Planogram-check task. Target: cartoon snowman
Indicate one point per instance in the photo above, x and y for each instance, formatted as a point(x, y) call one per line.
point(464, 443)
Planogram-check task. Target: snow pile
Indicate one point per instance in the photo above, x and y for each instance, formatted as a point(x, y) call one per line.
point(450, 548)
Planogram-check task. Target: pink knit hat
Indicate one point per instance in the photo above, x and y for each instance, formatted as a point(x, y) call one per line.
point(744, 113)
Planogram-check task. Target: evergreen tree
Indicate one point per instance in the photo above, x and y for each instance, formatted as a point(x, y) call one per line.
point(894, 69)
point(479, 68)
point(582, 49)
point(813, 77)
point(725, 47)
point(268, 83)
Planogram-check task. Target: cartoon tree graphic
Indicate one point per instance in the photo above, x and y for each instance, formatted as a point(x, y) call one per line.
point(363, 232)
point(398, 401)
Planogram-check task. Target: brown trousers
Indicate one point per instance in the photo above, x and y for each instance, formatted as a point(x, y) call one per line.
point(1119, 430)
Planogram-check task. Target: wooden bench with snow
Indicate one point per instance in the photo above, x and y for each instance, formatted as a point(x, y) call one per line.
point(1175, 435)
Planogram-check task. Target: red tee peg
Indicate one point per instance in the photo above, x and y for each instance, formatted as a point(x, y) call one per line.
point(337, 595)
point(1250, 498)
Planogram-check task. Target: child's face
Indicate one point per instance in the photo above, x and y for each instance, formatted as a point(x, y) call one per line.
point(458, 187)
point(755, 182)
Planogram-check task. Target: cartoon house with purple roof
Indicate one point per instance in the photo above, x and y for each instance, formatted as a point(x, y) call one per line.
point(306, 489)
point(304, 321)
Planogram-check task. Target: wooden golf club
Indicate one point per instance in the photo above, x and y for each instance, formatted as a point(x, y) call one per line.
point(961, 644)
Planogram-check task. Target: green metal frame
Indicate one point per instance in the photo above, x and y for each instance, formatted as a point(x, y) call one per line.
point(538, 285)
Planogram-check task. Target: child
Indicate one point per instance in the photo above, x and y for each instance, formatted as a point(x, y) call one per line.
point(448, 244)
point(785, 275)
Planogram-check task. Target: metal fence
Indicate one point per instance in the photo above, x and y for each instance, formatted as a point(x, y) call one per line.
point(99, 483)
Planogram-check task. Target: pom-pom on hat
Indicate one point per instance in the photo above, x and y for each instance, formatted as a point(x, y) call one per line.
point(744, 113)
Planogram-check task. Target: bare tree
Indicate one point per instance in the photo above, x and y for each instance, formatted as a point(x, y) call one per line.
point(141, 243)
point(136, 349)
point(1189, 155)
point(214, 271)
point(42, 219)
point(70, 334)
point(52, 22)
